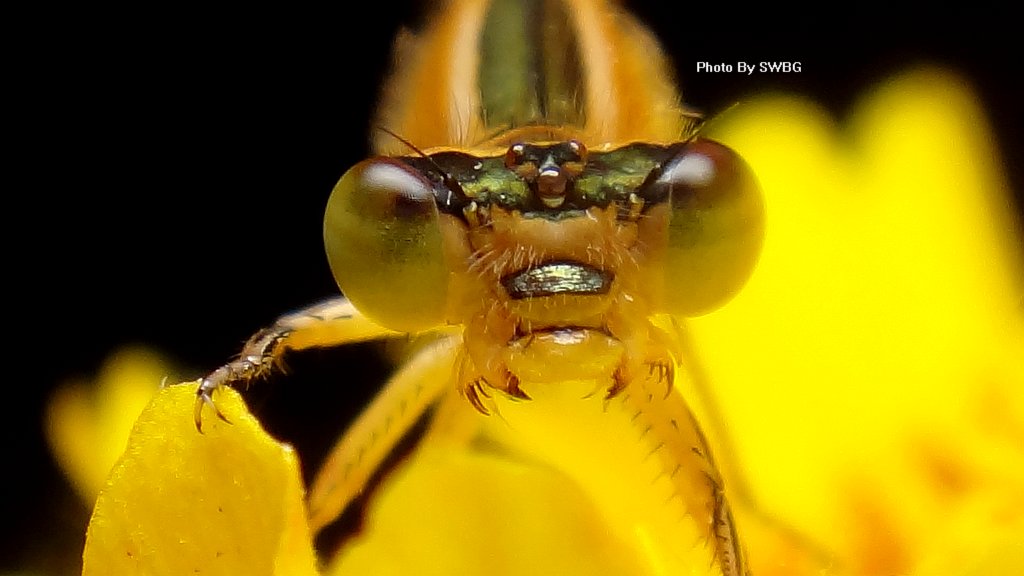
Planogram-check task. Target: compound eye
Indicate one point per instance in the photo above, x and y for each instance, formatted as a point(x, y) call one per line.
point(715, 227)
point(383, 242)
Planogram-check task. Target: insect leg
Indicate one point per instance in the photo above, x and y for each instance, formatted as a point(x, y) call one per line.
point(686, 459)
point(329, 323)
point(365, 445)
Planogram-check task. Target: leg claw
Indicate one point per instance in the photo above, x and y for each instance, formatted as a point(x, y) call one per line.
point(514, 390)
point(619, 384)
point(666, 373)
point(204, 397)
point(473, 392)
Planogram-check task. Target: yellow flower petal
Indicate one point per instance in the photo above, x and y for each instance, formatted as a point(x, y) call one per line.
point(228, 501)
point(87, 425)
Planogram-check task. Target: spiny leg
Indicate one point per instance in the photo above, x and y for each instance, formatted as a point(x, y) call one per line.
point(330, 323)
point(728, 545)
point(667, 423)
point(374, 434)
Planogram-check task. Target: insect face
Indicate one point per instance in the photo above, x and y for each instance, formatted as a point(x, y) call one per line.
point(545, 245)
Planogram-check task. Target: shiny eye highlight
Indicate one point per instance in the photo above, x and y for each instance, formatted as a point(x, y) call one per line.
point(383, 242)
point(715, 226)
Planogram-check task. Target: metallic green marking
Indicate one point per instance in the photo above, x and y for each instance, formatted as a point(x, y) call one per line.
point(607, 177)
point(570, 278)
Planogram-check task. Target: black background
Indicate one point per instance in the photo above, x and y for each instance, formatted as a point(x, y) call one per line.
point(171, 168)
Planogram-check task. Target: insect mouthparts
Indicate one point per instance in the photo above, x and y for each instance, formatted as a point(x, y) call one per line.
point(561, 277)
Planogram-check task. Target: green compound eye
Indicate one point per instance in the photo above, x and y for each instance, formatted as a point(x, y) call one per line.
point(715, 229)
point(384, 245)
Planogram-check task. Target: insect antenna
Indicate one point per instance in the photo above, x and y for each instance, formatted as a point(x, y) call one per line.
point(449, 181)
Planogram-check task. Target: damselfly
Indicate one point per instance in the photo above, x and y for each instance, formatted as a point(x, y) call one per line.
point(545, 207)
